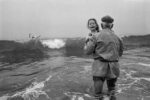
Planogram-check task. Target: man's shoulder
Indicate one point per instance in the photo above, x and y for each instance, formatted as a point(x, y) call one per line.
point(107, 32)
point(102, 34)
point(107, 35)
point(96, 34)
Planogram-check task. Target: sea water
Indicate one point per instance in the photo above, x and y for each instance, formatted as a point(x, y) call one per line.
point(57, 69)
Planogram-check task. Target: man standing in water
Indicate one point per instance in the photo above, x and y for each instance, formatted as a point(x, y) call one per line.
point(106, 49)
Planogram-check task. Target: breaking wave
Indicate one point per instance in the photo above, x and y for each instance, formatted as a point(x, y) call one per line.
point(72, 43)
point(14, 52)
point(54, 44)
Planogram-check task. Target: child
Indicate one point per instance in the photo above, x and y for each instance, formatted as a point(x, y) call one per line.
point(93, 27)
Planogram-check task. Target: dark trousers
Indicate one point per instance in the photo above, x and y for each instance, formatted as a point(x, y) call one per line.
point(98, 85)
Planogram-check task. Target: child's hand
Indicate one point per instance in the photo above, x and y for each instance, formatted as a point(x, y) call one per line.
point(89, 38)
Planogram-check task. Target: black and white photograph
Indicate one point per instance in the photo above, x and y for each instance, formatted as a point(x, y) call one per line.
point(74, 50)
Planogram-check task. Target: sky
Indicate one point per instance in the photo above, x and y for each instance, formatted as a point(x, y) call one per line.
point(68, 18)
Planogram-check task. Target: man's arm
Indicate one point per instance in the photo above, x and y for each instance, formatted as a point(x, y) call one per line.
point(90, 45)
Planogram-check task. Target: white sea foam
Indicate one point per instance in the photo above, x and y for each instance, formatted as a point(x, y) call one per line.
point(87, 69)
point(143, 64)
point(4, 97)
point(54, 43)
point(75, 95)
point(135, 80)
point(80, 98)
point(30, 93)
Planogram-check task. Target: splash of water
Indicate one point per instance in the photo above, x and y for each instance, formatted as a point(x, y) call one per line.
point(81, 96)
point(54, 43)
point(75, 95)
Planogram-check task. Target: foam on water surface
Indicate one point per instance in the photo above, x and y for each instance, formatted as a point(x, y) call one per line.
point(143, 64)
point(31, 93)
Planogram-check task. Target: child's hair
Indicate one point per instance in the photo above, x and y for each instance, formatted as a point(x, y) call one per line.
point(97, 28)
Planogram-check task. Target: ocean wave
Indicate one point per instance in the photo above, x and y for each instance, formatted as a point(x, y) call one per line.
point(35, 49)
point(74, 47)
point(15, 52)
point(54, 43)
point(74, 43)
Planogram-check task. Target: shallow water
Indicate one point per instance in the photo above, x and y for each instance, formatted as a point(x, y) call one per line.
point(66, 77)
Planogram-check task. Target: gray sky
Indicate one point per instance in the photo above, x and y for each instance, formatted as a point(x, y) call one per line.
point(68, 18)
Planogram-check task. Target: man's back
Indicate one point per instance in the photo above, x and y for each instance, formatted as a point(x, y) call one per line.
point(108, 45)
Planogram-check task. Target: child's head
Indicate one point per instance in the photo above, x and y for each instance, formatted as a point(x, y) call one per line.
point(92, 25)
